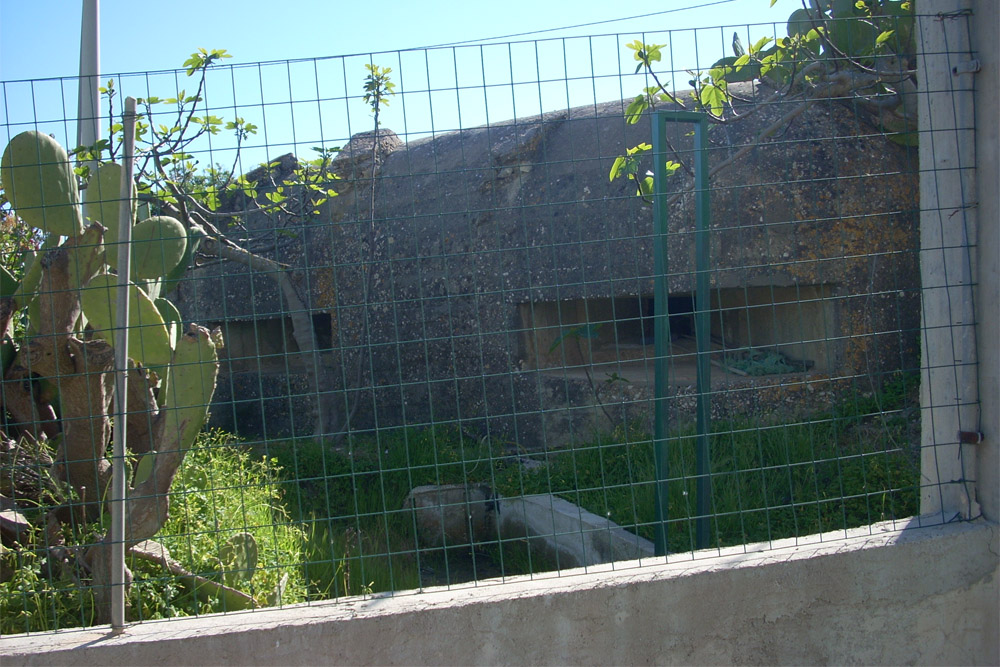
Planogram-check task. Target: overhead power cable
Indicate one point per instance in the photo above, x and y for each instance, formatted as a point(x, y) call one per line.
point(484, 40)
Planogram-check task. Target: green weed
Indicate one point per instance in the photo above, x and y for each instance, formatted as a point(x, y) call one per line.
point(219, 491)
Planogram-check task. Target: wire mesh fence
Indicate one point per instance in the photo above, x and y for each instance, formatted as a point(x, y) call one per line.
point(446, 316)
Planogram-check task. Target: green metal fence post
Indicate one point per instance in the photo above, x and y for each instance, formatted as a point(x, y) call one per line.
point(661, 332)
point(702, 321)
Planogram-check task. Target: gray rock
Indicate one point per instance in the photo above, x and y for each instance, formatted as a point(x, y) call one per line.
point(453, 515)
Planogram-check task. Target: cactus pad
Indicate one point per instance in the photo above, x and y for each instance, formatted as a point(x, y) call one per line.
point(102, 201)
point(190, 386)
point(158, 244)
point(38, 180)
point(149, 341)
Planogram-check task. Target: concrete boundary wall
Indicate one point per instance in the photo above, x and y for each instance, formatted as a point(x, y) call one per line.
point(880, 596)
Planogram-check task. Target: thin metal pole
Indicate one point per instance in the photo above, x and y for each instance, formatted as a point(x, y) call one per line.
point(703, 330)
point(661, 331)
point(702, 322)
point(88, 113)
point(121, 373)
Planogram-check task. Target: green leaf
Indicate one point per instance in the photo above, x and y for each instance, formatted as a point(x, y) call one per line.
point(646, 54)
point(714, 98)
point(634, 110)
point(884, 37)
point(640, 149)
point(646, 186)
point(760, 44)
point(212, 197)
point(617, 167)
point(275, 197)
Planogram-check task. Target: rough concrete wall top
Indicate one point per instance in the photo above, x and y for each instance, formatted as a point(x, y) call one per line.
point(924, 596)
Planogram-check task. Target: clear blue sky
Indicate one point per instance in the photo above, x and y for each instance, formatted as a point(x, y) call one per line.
point(40, 39)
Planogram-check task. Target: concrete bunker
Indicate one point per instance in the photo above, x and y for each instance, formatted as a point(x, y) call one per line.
point(814, 258)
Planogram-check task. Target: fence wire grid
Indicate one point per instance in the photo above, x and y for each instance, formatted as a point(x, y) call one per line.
point(445, 318)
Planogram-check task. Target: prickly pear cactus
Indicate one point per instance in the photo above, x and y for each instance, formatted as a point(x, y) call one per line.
point(60, 374)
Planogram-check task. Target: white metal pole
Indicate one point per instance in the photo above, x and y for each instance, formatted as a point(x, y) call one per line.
point(88, 114)
point(121, 373)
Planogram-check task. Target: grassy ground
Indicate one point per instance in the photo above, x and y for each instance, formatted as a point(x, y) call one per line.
point(330, 522)
point(845, 468)
point(220, 495)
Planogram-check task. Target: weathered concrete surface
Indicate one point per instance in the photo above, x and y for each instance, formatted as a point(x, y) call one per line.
point(985, 28)
point(916, 596)
point(568, 534)
point(475, 231)
point(949, 379)
point(563, 533)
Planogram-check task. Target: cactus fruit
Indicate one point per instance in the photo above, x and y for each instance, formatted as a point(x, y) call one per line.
point(38, 180)
point(158, 245)
point(149, 341)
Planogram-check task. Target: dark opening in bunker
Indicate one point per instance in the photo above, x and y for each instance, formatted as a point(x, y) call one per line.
point(268, 345)
point(792, 328)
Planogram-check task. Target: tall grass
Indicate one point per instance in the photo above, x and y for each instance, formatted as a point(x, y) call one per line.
point(848, 467)
point(220, 491)
point(851, 466)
